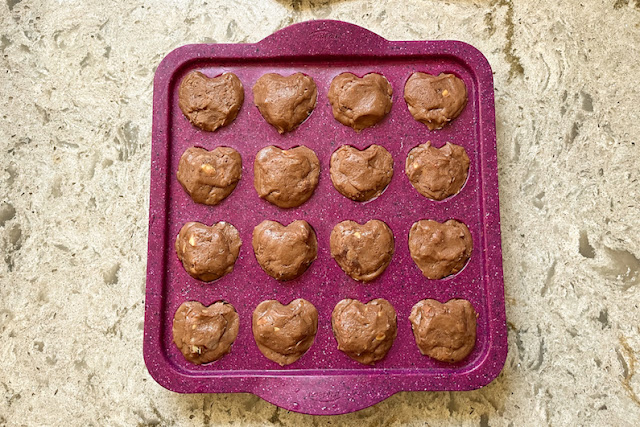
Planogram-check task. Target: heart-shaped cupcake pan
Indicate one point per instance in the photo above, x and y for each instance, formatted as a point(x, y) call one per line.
point(325, 380)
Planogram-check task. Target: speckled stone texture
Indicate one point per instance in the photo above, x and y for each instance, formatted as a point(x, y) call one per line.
point(76, 85)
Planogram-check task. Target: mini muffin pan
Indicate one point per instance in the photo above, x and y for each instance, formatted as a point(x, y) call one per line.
point(324, 380)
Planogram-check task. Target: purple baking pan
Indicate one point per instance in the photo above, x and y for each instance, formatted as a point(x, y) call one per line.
point(324, 380)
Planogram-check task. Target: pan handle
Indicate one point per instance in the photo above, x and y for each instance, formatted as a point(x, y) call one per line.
point(323, 394)
point(323, 37)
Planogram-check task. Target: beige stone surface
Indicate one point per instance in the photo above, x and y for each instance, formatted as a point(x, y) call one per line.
point(75, 126)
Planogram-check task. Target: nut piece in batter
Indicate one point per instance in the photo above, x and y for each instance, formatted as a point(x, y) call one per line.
point(360, 102)
point(361, 175)
point(284, 253)
point(435, 101)
point(208, 253)
point(362, 251)
point(210, 103)
point(286, 178)
point(205, 334)
point(437, 173)
point(445, 332)
point(285, 102)
point(365, 332)
point(285, 332)
point(209, 176)
point(440, 250)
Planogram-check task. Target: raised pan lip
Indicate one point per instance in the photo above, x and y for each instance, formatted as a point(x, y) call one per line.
point(492, 361)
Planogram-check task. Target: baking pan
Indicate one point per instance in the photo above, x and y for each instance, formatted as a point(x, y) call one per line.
point(324, 380)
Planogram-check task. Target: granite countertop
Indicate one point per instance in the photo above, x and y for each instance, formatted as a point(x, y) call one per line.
point(76, 85)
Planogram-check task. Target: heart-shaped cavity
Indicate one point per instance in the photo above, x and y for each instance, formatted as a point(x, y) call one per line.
point(284, 333)
point(437, 173)
point(285, 102)
point(210, 103)
point(362, 251)
point(284, 253)
point(209, 176)
point(365, 332)
point(208, 253)
point(435, 101)
point(286, 178)
point(205, 334)
point(445, 332)
point(361, 175)
point(360, 102)
point(440, 250)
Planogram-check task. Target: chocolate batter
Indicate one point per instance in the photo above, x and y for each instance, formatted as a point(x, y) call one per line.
point(209, 176)
point(208, 253)
point(286, 178)
point(285, 332)
point(437, 173)
point(360, 102)
point(365, 332)
point(362, 251)
point(440, 250)
point(205, 334)
point(445, 332)
point(435, 101)
point(361, 175)
point(285, 102)
point(210, 103)
point(284, 253)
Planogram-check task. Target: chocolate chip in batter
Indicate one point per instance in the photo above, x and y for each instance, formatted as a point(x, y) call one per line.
point(286, 178)
point(208, 253)
point(440, 250)
point(205, 334)
point(284, 333)
point(285, 102)
point(209, 176)
point(360, 102)
point(365, 332)
point(361, 175)
point(210, 103)
point(445, 332)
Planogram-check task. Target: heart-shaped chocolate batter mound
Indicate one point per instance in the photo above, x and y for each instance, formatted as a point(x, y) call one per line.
point(286, 178)
point(360, 102)
point(440, 250)
point(205, 334)
point(437, 173)
point(445, 332)
point(208, 253)
point(284, 253)
point(210, 103)
point(284, 332)
point(285, 102)
point(361, 175)
point(209, 176)
point(435, 101)
point(365, 332)
point(362, 251)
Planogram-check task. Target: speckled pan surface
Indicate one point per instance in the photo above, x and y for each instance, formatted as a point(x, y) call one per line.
point(324, 380)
